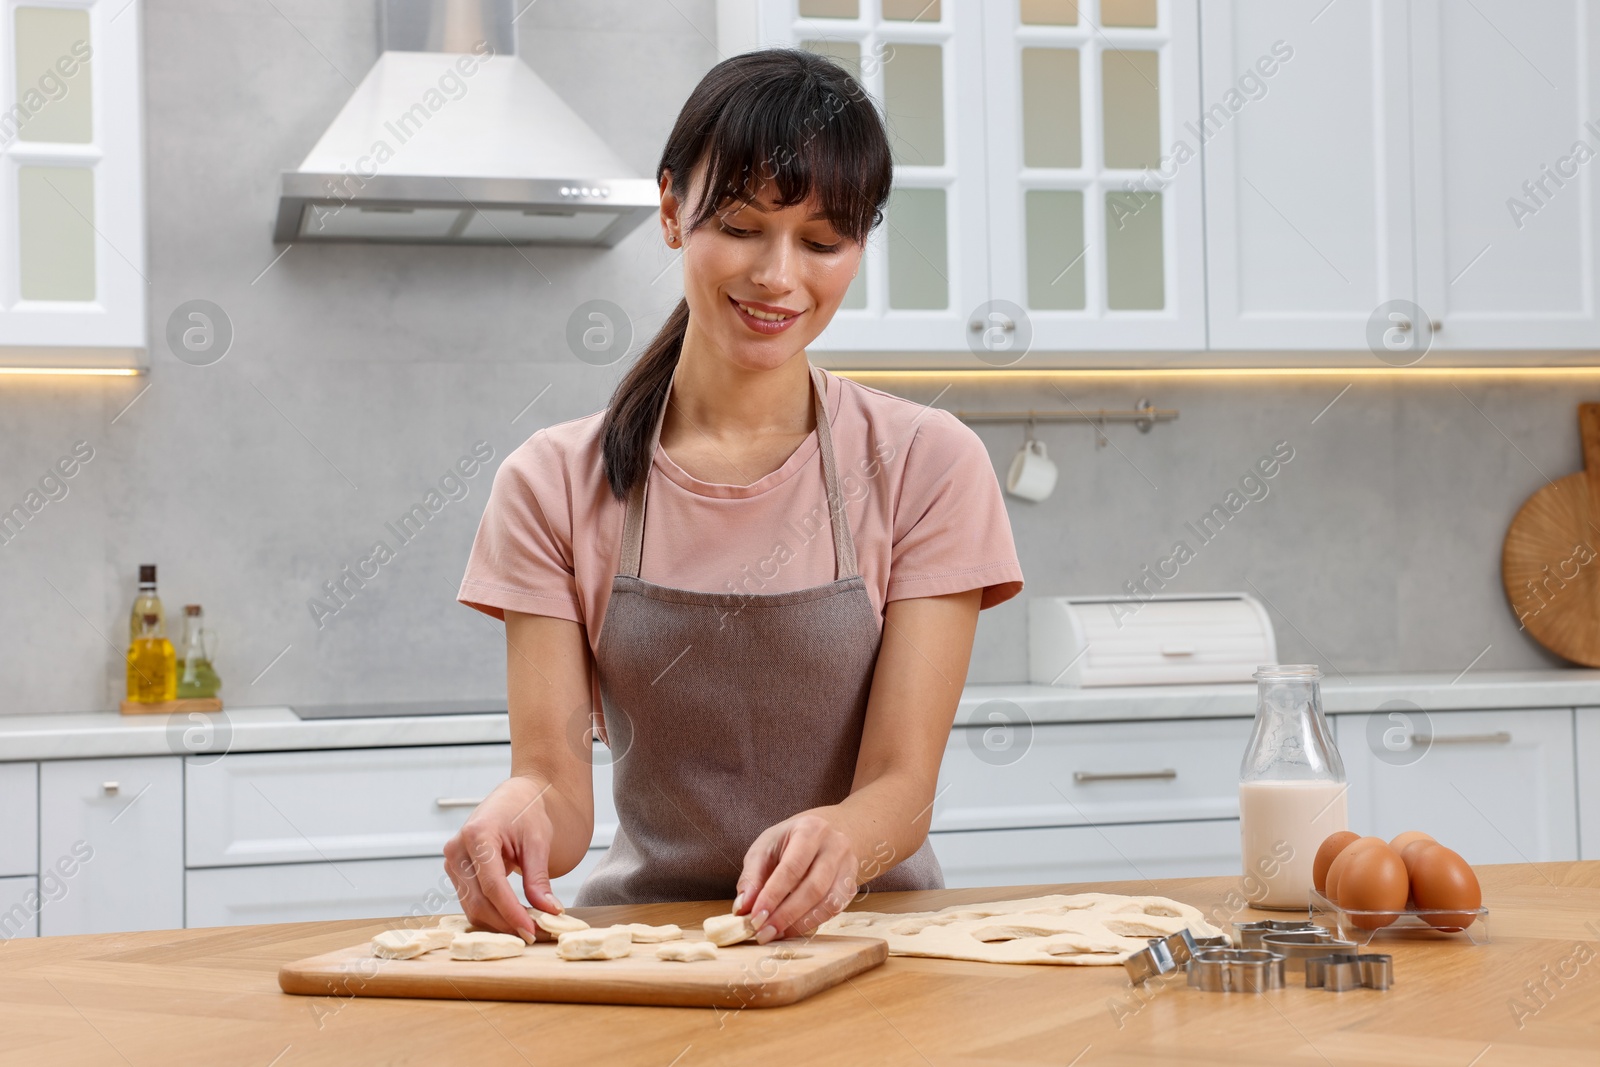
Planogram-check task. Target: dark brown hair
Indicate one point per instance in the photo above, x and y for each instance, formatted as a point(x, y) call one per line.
point(789, 116)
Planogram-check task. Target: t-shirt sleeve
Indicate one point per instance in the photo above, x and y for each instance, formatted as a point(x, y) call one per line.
point(951, 530)
point(522, 554)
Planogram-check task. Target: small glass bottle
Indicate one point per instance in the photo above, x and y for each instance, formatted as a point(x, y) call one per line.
point(1292, 791)
point(152, 662)
point(196, 677)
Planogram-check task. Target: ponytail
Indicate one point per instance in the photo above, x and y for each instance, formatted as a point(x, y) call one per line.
point(637, 403)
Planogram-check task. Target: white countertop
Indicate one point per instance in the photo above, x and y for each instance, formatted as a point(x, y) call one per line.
point(268, 729)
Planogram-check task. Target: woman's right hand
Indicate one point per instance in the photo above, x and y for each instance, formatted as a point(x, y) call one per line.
point(509, 831)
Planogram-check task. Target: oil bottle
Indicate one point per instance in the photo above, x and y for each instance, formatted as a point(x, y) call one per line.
point(196, 677)
point(152, 662)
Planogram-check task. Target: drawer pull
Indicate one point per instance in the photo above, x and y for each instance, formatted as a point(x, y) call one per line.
point(1177, 650)
point(446, 803)
point(110, 789)
point(1080, 777)
point(1499, 737)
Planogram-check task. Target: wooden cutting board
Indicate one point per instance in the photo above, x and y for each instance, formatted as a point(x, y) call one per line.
point(743, 976)
point(1550, 563)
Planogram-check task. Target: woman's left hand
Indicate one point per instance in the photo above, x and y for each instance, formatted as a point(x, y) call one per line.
point(797, 875)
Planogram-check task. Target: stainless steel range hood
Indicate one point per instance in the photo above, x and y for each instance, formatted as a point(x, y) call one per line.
point(452, 139)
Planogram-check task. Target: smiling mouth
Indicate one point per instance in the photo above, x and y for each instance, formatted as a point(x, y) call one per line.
point(762, 316)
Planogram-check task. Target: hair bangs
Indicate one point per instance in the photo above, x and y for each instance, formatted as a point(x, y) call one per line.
point(804, 142)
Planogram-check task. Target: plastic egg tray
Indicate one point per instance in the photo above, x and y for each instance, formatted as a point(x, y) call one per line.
point(1411, 923)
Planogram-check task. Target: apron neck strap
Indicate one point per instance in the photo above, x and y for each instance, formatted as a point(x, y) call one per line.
point(844, 549)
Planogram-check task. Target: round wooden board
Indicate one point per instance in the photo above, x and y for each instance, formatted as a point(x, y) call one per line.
point(1550, 563)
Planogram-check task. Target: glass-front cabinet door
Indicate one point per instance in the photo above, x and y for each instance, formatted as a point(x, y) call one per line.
point(1094, 172)
point(924, 272)
point(72, 255)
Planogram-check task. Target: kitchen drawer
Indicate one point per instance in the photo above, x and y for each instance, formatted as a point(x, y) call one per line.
point(1588, 768)
point(392, 803)
point(19, 908)
point(111, 830)
point(19, 829)
point(997, 777)
point(1070, 854)
point(1495, 786)
point(349, 889)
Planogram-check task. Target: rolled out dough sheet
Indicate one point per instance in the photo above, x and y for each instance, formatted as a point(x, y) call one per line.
point(1080, 929)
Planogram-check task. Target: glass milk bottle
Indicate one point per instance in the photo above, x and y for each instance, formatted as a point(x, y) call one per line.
point(1291, 787)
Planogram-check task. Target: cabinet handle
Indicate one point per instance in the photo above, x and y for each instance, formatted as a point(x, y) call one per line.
point(1177, 650)
point(1499, 737)
point(110, 789)
point(458, 802)
point(1081, 777)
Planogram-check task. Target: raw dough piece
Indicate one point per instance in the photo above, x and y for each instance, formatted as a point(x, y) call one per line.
point(458, 923)
point(687, 951)
point(408, 944)
point(645, 934)
point(606, 943)
point(1084, 928)
point(483, 945)
point(728, 929)
point(557, 924)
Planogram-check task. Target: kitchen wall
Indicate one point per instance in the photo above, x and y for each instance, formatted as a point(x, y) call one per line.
point(359, 375)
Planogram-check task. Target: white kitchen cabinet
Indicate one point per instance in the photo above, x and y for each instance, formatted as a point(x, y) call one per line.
point(19, 908)
point(1505, 140)
point(1094, 180)
point(73, 290)
point(1305, 121)
point(117, 826)
point(300, 807)
point(1587, 760)
point(1495, 786)
point(19, 830)
point(276, 807)
point(1129, 852)
point(1030, 151)
point(997, 775)
point(925, 268)
point(347, 889)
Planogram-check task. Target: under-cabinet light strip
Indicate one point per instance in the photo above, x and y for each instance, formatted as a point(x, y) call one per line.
point(96, 372)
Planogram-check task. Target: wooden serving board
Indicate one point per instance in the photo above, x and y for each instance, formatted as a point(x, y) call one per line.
point(743, 976)
point(1549, 562)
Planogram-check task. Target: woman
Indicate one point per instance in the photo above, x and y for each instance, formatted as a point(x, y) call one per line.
point(777, 654)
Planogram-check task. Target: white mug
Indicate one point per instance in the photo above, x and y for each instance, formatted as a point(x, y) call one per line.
point(1032, 475)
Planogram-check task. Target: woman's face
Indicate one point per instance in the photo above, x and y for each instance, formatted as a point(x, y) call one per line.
point(787, 268)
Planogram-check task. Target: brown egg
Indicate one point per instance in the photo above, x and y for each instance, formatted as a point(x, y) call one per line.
point(1400, 841)
point(1411, 849)
point(1373, 879)
point(1442, 879)
point(1331, 847)
point(1342, 860)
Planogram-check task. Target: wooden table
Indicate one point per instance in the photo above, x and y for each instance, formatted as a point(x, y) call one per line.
point(211, 997)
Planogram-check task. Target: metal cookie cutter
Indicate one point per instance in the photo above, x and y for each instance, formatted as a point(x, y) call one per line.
point(1161, 955)
point(1250, 934)
point(1236, 970)
point(1301, 945)
point(1348, 970)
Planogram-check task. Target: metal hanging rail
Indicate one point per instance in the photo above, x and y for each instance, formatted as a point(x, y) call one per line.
point(1143, 416)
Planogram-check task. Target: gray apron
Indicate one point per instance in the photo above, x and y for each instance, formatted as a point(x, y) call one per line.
point(726, 713)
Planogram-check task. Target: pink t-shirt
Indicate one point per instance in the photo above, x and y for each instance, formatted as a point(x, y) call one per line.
point(923, 503)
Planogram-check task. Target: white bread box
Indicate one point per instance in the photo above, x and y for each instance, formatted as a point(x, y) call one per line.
point(1162, 640)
